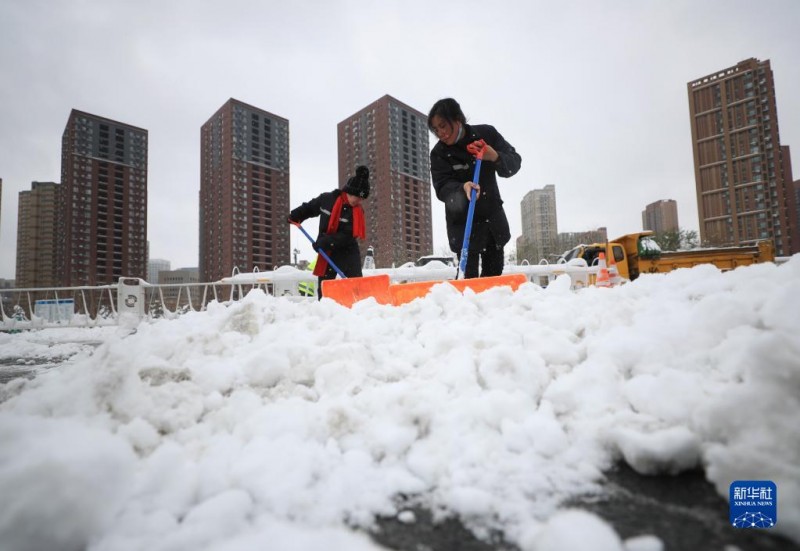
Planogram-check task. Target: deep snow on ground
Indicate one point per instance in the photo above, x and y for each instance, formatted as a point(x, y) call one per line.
point(294, 424)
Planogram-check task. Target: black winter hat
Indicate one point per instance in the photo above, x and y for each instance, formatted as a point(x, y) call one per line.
point(358, 185)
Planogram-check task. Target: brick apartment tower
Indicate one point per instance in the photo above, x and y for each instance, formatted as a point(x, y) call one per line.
point(391, 139)
point(661, 216)
point(797, 196)
point(244, 191)
point(742, 193)
point(104, 174)
point(40, 242)
point(793, 186)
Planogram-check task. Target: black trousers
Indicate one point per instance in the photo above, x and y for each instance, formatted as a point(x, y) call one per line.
point(492, 259)
point(330, 273)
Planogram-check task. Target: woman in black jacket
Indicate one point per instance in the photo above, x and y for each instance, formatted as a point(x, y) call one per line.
point(452, 170)
point(341, 222)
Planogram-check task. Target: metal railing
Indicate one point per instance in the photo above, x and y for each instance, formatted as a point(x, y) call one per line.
point(87, 306)
point(92, 306)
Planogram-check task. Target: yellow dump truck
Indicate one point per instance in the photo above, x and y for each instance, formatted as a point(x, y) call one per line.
point(638, 253)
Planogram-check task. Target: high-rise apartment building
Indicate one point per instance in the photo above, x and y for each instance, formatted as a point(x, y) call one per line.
point(104, 174)
point(244, 191)
point(391, 139)
point(797, 196)
point(791, 183)
point(742, 193)
point(40, 233)
point(661, 216)
point(539, 239)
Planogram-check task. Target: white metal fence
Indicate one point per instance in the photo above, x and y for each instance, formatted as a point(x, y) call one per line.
point(106, 304)
point(88, 306)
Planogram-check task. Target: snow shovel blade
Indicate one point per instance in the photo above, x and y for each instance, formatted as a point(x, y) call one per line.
point(402, 293)
point(481, 284)
point(349, 291)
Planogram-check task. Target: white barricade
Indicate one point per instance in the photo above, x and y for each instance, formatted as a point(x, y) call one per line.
point(55, 310)
point(130, 297)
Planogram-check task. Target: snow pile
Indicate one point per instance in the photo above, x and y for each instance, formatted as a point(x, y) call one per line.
point(293, 423)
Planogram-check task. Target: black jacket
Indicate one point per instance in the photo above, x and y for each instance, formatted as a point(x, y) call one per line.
point(452, 165)
point(341, 246)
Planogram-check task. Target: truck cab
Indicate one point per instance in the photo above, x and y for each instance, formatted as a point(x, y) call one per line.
point(591, 254)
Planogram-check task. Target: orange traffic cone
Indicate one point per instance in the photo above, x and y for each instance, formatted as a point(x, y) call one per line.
point(603, 279)
point(613, 271)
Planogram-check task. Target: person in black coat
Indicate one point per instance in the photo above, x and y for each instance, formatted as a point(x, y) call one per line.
point(341, 223)
point(452, 170)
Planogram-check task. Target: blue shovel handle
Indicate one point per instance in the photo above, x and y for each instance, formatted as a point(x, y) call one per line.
point(321, 252)
point(462, 265)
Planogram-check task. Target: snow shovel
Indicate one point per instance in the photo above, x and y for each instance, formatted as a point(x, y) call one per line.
point(403, 293)
point(348, 290)
point(477, 148)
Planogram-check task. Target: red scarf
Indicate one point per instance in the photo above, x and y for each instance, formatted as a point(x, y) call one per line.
point(359, 228)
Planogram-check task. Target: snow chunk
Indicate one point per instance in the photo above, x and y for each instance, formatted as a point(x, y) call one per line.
point(670, 450)
point(575, 529)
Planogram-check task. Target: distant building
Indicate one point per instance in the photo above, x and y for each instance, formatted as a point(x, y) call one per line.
point(244, 191)
point(180, 295)
point(661, 216)
point(797, 196)
point(391, 139)
point(180, 276)
point(104, 174)
point(154, 266)
point(788, 176)
point(743, 195)
point(539, 238)
point(40, 230)
point(570, 240)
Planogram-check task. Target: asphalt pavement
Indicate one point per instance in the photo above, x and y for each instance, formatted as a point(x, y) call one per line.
point(684, 511)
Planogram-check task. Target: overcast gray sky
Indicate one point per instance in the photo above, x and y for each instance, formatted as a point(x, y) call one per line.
point(591, 93)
